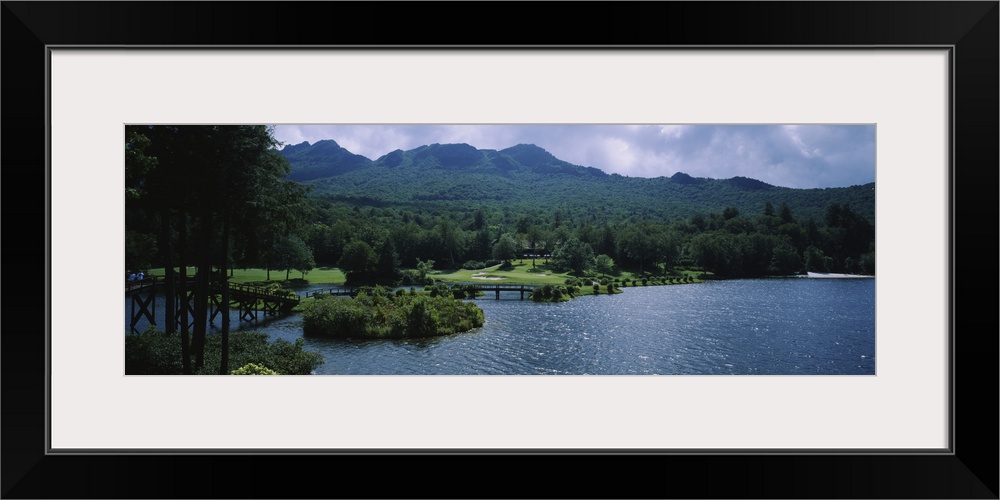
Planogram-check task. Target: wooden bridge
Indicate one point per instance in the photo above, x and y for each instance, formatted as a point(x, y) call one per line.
point(501, 287)
point(478, 287)
point(250, 300)
point(332, 291)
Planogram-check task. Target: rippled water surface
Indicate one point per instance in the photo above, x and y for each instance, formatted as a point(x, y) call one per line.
point(783, 326)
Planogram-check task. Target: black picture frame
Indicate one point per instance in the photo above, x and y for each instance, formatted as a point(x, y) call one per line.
point(970, 28)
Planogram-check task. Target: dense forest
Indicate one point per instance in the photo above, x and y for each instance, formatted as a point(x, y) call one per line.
point(459, 206)
point(225, 197)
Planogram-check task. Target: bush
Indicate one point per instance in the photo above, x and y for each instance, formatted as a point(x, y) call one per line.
point(336, 316)
point(253, 369)
point(441, 290)
point(422, 319)
point(374, 291)
point(395, 316)
point(604, 264)
point(153, 353)
point(475, 265)
point(286, 357)
point(413, 277)
point(542, 293)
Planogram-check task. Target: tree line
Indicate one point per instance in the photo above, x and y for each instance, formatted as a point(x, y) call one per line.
point(373, 244)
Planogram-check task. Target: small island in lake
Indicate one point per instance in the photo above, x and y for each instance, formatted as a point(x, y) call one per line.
point(377, 312)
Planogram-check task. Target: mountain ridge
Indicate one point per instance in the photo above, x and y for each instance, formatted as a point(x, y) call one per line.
point(523, 153)
point(527, 175)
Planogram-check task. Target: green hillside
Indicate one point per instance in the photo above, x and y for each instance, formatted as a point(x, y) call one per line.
point(526, 178)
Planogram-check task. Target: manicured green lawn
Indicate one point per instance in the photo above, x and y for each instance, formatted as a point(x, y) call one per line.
point(521, 273)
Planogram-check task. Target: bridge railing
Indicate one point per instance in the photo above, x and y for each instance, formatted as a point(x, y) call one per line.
point(263, 292)
point(500, 286)
point(330, 291)
point(131, 285)
point(216, 285)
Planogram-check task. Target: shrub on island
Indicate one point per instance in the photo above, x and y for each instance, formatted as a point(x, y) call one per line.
point(549, 293)
point(378, 313)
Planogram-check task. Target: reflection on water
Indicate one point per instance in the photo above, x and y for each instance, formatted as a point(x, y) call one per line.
point(788, 326)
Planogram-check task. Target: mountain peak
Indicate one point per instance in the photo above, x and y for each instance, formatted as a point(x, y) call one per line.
point(324, 158)
point(682, 178)
point(327, 143)
point(529, 154)
point(525, 146)
point(526, 149)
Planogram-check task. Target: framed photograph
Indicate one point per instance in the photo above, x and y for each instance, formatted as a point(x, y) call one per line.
point(920, 79)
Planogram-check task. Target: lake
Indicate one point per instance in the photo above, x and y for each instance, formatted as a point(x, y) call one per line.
point(794, 326)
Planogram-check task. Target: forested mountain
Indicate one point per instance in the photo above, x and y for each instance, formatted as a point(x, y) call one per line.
point(323, 159)
point(525, 178)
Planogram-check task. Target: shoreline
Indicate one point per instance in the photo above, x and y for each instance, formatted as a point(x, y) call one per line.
point(834, 276)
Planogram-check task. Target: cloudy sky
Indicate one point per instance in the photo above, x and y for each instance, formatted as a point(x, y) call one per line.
point(798, 156)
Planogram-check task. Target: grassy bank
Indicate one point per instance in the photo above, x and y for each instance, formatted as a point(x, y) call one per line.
point(518, 273)
point(319, 275)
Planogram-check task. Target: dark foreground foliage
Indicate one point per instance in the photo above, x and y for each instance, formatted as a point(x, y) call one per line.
point(153, 353)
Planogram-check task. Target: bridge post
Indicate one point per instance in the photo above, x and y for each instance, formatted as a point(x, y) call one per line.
point(246, 313)
point(214, 307)
point(270, 307)
point(147, 308)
